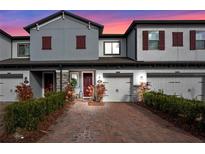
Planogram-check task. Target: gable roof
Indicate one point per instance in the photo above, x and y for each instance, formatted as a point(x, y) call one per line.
point(5, 34)
point(27, 28)
point(135, 22)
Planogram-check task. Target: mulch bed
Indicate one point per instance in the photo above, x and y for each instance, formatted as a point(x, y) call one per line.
point(177, 122)
point(43, 128)
point(93, 103)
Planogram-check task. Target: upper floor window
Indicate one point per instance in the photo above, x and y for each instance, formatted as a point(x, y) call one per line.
point(112, 48)
point(46, 43)
point(153, 43)
point(200, 40)
point(153, 40)
point(23, 49)
point(81, 42)
point(177, 39)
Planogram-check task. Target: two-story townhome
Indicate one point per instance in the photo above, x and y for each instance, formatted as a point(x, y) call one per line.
point(169, 55)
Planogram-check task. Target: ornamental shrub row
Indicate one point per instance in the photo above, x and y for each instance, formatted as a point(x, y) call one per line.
point(28, 114)
point(188, 110)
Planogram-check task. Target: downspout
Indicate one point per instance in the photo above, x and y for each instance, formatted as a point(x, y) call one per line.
point(126, 47)
point(12, 49)
point(135, 43)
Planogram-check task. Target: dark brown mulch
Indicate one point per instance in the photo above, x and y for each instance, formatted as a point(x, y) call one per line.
point(93, 103)
point(43, 128)
point(177, 122)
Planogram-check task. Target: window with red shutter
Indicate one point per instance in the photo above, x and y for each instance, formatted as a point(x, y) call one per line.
point(177, 39)
point(46, 43)
point(81, 42)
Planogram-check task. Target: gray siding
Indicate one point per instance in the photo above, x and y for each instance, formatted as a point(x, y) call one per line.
point(170, 53)
point(63, 33)
point(5, 47)
point(36, 83)
point(131, 45)
point(122, 47)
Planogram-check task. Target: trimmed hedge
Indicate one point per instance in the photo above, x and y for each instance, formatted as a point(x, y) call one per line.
point(188, 110)
point(28, 114)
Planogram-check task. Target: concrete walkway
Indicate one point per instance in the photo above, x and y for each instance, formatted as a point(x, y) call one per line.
point(114, 122)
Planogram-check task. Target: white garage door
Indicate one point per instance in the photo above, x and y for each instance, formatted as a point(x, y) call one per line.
point(187, 87)
point(7, 89)
point(118, 89)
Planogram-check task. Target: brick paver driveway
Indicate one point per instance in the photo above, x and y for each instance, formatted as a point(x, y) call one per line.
point(114, 122)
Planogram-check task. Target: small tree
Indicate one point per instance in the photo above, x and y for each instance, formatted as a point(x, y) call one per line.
point(73, 82)
point(99, 91)
point(141, 89)
point(69, 92)
point(96, 92)
point(24, 92)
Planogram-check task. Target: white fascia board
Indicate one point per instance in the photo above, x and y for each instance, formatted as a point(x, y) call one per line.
point(48, 22)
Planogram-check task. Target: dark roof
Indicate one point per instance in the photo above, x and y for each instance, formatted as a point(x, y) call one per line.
point(21, 38)
point(5, 34)
point(27, 28)
point(112, 36)
point(101, 60)
point(135, 22)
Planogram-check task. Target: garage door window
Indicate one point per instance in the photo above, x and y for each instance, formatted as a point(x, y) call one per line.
point(23, 50)
point(112, 48)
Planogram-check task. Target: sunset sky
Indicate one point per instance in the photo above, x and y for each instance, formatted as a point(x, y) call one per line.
point(114, 21)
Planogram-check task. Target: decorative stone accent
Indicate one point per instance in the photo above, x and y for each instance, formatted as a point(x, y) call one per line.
point(65, 79)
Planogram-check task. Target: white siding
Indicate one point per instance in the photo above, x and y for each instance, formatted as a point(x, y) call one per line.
point(170, 53)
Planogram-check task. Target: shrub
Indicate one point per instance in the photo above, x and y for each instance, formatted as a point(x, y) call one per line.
point(28, 115)
point(99, 91)
point(73, 82)
point(188, 110)
point(24, 92)
point(69, 92)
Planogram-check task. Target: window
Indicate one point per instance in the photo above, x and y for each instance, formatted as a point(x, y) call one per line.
point(23, 50)
point(200, 40)
point(153, 40)
point(46, 42)
point(112, 48)
point(177, 39)
point(80, 42)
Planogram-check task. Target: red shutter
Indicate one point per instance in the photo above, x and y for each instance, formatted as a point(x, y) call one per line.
point(161, 40)
point(192, 40)
point(145, 40)
point(80, 42)
point(174, 39)
point(180, 38)
point(46, 42)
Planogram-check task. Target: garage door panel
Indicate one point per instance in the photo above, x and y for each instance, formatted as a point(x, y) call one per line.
point(187, 87)
point(7, 89)
point(117, 89)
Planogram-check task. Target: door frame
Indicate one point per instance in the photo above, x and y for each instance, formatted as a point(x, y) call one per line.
point(82, 85)
point(43, 81)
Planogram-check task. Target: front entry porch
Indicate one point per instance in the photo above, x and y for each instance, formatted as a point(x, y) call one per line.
point(84, 78)
point(42, 82)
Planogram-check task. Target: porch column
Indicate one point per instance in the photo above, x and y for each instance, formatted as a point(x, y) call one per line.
point(61, 86)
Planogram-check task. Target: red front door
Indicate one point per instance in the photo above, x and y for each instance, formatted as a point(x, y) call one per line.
point(87, 81)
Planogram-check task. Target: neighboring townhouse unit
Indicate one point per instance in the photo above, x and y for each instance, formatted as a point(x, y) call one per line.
point(169, 55)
